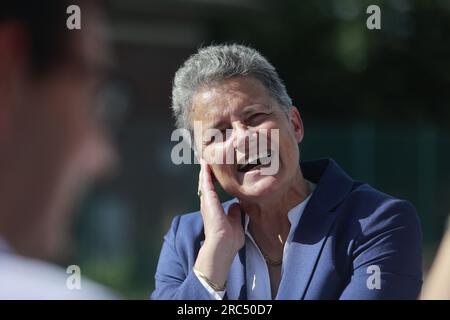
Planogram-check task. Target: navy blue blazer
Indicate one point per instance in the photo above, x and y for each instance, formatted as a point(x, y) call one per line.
point(346, 229)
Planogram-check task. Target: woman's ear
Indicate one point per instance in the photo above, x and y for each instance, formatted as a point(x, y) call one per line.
point(297, 124)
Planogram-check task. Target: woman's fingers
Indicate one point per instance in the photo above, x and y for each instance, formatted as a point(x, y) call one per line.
point(220, 229)
point(206, 180)
point(209, 200)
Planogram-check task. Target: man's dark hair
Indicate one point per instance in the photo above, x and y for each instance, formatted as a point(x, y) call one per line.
point(44, 24)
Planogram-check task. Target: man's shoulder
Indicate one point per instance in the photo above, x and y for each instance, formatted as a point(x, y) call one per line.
point(27, 278)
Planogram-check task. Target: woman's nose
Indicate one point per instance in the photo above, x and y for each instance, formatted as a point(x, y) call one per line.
point(244, 140)
point(240, 135)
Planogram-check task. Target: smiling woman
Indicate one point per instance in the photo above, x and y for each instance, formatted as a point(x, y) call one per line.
point(305, 231)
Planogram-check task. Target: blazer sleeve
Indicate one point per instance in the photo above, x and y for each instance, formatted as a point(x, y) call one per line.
point(386, 257)
point(174, 280)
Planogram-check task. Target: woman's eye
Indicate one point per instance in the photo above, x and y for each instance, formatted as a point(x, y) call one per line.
point(256, 118)
point(218, 136)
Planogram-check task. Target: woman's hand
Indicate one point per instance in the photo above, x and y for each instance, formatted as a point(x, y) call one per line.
point(224, 235)
point(220, 229)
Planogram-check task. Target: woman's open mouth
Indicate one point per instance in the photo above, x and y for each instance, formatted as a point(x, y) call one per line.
point(255, 163)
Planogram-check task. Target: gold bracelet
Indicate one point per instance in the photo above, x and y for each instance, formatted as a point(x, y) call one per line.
point(213, 285)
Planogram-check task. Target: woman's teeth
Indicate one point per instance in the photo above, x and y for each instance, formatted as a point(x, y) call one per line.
point(252, 163)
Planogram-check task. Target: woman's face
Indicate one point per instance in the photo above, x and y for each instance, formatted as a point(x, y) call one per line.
point(243, 111)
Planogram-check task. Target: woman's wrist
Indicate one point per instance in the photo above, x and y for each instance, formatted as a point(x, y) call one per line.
point(214, 262)
point(216, 287)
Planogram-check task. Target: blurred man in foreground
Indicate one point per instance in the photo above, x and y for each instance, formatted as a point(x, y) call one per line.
point(51, 142)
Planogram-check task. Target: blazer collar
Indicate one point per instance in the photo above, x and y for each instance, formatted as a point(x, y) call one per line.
point(333, 185)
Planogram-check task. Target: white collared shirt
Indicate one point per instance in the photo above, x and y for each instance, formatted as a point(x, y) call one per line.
point(257, 275)
point(25, 278)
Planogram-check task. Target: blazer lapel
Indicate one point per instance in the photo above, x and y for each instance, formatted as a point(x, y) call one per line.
point(302, 256)
point(313, 228)
point(236, 283)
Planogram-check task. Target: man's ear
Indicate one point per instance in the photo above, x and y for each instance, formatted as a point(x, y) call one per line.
point(297, 124)
point(12, 65)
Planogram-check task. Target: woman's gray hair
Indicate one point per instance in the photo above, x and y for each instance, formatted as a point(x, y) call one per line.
point(219, 62)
